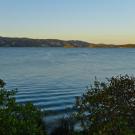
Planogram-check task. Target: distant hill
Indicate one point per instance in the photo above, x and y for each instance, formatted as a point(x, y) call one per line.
point(28, 42)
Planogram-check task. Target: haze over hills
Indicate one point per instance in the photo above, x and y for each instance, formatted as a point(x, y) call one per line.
point(29, 42)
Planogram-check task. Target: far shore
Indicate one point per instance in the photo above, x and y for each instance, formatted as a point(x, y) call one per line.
point(29, 42)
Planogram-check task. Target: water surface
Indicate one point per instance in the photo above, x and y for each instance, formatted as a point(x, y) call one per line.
point(51, 78)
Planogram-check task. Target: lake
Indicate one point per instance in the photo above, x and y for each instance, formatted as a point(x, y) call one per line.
point(51, 78)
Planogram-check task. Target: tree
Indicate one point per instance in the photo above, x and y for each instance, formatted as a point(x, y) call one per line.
point(108, 108)
point(18, 119)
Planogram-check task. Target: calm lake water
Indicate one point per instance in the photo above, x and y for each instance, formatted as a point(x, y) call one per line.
point(51, 78)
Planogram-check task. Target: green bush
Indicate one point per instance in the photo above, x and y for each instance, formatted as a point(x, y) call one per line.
point(108, 108)
point(105, 109)
point(18, 119)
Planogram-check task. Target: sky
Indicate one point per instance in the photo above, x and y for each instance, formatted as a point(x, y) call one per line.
point(97, 21)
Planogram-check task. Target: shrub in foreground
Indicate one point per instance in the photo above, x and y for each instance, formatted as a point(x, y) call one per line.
point(65, 127)
point(105, 109)
point(108, 108)
point(18, 119)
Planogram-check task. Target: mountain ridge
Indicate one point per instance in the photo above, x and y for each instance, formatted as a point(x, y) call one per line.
point(30, 42)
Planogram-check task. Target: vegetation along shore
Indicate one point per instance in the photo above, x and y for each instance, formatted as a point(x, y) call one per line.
point(107, 108)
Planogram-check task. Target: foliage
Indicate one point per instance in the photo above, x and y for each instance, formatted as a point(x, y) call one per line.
point(108, 108)
point(105, 109)
point(18, 119)
point(65, 127)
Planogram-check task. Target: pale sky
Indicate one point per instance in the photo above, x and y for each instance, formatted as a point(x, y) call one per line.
point(98, 21)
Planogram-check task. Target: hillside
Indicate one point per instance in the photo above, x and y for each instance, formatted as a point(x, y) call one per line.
point(28, 42)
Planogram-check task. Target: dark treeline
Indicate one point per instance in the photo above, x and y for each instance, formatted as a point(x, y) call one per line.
point(107, 108)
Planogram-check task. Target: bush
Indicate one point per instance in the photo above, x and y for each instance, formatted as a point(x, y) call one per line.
point(65, 127)
point(105, 109)
point(108, 108)
point(17, 119)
